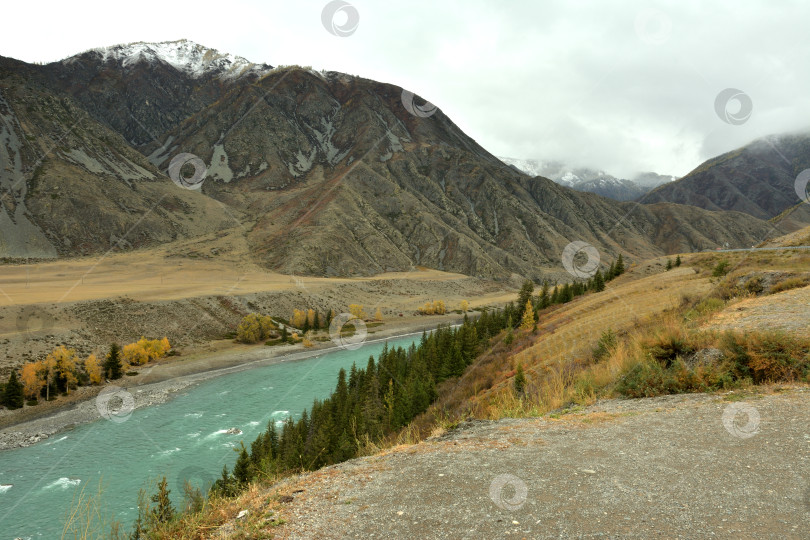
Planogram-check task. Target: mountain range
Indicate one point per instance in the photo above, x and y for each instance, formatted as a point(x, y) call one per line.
point(591, 180)
point(326, 173)
point(759, 179)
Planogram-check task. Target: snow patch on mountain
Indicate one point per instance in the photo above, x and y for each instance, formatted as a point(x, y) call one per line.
point(184, 55)
point(591, 180)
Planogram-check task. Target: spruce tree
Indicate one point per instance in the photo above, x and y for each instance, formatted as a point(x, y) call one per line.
point(669, 265)
point(619, 265)
point(112, 365)
point(525, 294)
point(520, 380)
point(598, 282)
point(13, 394)
point(543, 301)
point(678, 260)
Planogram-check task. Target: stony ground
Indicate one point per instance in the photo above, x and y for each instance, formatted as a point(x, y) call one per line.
point(688, 466)
point(787, 311)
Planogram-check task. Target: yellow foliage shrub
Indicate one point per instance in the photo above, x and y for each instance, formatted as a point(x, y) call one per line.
point(254, 327)
point(145, 350)
point(436, 307)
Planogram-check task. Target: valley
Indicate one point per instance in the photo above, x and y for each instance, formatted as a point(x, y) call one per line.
point(248, 300)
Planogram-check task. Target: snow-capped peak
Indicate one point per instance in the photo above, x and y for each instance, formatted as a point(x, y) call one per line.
point(183, 55)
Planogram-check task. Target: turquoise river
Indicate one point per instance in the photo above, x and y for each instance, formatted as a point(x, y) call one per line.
point(182, 439)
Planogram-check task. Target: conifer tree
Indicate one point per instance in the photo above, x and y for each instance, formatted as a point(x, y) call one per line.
point(619, 265)
point(164, 511)
point(528, 316)
point(520, 380)
point(543, 300)
point(525, 294)
point(669, 264)
point(678, 260)
point(611, 273)
point(598, 282)
point(112, 364)
point(12, 397)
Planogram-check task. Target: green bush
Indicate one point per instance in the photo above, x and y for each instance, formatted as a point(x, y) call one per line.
point(720, 269)
point(607, 342)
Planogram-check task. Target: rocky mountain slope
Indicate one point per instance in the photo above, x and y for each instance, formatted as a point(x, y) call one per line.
point(758, 179)
point(346, 180)
point(71, 186)
point(590, 180)
point(330, 174)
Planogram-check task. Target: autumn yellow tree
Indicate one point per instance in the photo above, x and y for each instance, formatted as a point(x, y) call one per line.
point(357, 311)
point(528, 316)
point(93, 368)
point(299, 318)
point(311, 318)
point(33, 379)
point(464, 306)
point(378, 316)
point(64, 362)
point(436, 307)
point(254, 327)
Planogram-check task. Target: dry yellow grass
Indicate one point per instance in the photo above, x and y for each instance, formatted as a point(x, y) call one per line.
point(219, 264)
point(574, 328)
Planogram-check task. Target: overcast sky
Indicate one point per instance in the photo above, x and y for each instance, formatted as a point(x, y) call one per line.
point(621, 86)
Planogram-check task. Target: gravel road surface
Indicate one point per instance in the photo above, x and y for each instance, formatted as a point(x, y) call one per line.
point(687, 466)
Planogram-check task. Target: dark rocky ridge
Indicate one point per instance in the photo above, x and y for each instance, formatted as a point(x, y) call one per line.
point(757, 179)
